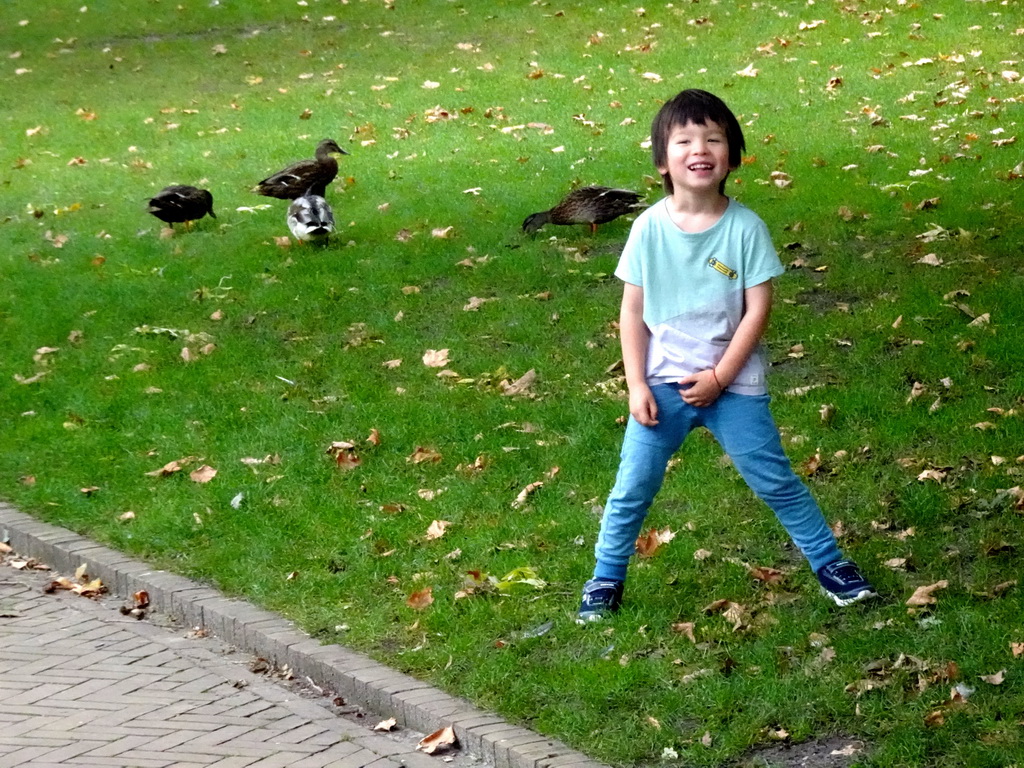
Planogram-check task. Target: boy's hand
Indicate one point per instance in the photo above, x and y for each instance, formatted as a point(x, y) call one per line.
point(642, 405)
point(701, 389)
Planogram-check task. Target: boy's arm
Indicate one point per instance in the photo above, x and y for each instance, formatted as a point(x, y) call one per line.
point(708, 385)
point(635, 337)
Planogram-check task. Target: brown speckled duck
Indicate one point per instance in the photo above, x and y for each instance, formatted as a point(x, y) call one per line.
point(311, 176)
point(181, 203)
point(587, 205)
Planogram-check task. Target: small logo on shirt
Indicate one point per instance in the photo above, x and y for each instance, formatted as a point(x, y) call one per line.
point(720, 267)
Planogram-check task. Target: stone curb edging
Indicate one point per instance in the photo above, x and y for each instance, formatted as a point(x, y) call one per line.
point(360, 680)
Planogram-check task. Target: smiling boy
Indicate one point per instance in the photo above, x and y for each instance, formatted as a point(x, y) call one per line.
point(697, 293)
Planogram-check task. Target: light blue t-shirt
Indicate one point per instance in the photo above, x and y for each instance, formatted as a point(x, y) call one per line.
point(693, 287)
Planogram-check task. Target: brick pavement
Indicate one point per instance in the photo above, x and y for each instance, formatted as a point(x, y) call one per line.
point(83, 685)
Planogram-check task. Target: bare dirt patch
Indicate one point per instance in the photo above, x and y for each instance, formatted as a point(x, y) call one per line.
point(830, 752)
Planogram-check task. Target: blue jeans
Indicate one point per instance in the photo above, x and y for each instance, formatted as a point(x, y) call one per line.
point(744, 428)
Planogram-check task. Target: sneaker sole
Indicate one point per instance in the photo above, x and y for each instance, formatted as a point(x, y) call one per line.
point(842, 602)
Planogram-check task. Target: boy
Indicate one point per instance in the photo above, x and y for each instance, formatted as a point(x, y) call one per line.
point(697, 291)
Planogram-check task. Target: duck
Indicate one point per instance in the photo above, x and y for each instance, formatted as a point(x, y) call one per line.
point(295, 180)
point(181, 203)
point(587, 205)
point(310, 218)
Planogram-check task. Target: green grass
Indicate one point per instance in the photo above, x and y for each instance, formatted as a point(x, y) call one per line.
point(304, 332)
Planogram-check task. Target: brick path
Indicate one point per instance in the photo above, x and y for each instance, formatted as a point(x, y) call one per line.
point(83, 685)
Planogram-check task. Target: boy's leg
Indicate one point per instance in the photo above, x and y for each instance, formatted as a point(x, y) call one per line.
point(642, 462)
point(744, 427)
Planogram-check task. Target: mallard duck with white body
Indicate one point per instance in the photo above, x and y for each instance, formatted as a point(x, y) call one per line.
point(310, 218)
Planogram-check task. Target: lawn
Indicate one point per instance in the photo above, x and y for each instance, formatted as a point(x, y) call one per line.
point(403, 440)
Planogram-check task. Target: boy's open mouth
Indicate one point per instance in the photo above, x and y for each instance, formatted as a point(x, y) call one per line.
point(701, 167)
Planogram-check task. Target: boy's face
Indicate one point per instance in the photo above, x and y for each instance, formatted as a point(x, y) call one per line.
point(697, 157)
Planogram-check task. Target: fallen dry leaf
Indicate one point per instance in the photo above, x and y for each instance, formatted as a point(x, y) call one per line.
point(203, 474)
point(435, 358)
point(923, 595)
point(421, 599)
point(685, 628)
point(734, 612)
point(422, 454)
point(437, 529)
point(766, 574)
point(935, 718)
point(520, 386)
point(524, 494)
point(439, 740)
point(171, 467)
point(347, 460)
point(475, 302)
point(994, 679)
point(648, 543)
point(935, 475)
point(386, 725)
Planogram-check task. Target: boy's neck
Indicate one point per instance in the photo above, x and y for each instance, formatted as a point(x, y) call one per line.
point(695, 213)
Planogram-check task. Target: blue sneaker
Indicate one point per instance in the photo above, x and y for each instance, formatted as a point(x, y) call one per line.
point(844, 583)
point(600, 598)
